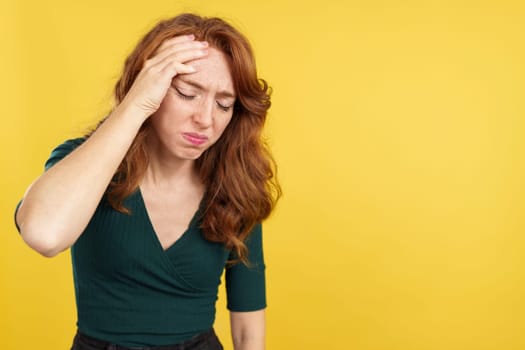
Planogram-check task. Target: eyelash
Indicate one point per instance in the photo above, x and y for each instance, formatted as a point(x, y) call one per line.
point(224, 108)
point(183, 96)
point(188, 97)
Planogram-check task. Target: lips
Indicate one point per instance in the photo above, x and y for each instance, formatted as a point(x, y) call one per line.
point(195, 138)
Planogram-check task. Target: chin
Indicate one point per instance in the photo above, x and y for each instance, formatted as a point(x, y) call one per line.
point(192, 155)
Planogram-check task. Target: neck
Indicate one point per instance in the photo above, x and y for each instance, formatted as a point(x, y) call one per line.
point(166, 171)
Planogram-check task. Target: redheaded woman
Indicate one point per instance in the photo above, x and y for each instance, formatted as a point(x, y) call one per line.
point(167, 191)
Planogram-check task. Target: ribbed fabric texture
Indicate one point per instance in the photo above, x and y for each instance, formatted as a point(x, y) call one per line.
point(131, 292)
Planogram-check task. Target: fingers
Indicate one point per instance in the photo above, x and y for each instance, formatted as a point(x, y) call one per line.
point(174, 68)
point(182, 57)
point(176, 40)
point(173, 55)
point(155, 78)
point(189, 49)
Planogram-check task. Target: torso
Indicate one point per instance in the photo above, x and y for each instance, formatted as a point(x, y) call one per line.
point(171, 212)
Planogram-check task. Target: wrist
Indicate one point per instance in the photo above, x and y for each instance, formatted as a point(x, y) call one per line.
point(130, 113)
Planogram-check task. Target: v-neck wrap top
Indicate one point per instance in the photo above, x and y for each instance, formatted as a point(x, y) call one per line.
point(132, 292)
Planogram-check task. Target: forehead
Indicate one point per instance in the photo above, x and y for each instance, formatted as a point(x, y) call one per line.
point(213, 72)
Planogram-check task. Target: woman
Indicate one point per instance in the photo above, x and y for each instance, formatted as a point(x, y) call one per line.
point(169, 190)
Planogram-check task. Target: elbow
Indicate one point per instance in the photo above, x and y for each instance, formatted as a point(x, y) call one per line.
point(249, 342)
point(48, 253)
point(41, 236)
point(45, 243)
point(44, 246)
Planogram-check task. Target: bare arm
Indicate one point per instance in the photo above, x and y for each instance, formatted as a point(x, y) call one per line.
point(59, 204)
point(248, 330)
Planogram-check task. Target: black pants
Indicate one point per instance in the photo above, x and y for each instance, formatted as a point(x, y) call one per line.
point(204, 341)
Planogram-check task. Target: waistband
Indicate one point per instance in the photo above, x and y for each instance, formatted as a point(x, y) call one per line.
point(88, 343)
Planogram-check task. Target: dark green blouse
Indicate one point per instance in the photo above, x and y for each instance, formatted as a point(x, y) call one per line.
point(132, 292)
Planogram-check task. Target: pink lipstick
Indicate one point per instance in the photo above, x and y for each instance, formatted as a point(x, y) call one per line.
point(194, 138)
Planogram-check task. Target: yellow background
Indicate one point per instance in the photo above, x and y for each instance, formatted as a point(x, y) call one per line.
point(398, 127)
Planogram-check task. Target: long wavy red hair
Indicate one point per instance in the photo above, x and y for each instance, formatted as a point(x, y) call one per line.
point(238, 170)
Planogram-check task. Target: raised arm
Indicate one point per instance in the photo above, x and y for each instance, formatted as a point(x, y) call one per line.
point(59, 204)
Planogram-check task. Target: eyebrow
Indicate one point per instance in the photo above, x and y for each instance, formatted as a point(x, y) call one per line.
point(222, 93)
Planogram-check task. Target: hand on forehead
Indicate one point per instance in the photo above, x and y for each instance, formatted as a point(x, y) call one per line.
point(212, 74)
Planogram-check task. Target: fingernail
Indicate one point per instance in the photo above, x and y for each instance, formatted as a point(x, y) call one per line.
point(191, 36)
point(204, 43)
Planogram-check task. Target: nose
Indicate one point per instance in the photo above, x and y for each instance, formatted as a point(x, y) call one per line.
point(203, 115)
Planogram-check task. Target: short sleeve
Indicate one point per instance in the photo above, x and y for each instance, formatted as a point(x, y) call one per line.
point(56, 155)
point(63, 150)
point(246, 285)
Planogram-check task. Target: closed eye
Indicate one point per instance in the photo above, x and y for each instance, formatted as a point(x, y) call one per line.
point(223, 107)
point(183, 95)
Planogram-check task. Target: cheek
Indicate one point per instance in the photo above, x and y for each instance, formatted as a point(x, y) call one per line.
point(171, 111)
point(222, 125)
